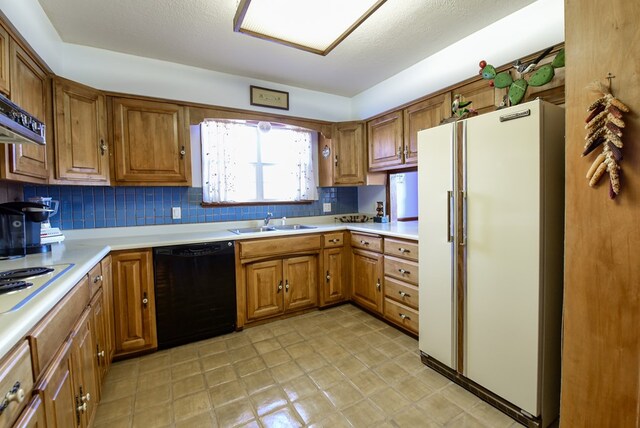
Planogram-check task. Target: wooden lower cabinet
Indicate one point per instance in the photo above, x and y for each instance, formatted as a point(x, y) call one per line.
point(57, 391)
point(107, 289)
point(33, 415)
point(332, 285)
point(83, 359)
point(264, 289)
point(274, 287)
point(366, 279)
point(101, 354)
point(133, 302)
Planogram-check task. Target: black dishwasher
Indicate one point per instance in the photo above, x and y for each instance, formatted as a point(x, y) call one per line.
point(195, 291)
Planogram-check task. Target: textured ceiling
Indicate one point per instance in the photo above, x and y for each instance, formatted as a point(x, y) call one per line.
point(199, 33)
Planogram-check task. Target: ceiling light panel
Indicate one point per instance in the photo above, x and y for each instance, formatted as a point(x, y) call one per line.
point(313, 25)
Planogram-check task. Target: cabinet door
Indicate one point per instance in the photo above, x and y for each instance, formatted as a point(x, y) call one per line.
point(133, 302)
point(29, 87)
point(384, 136)
point(98, 311)
point(419, 116)
point(367, 279)
point(332, 289)
point(83, 359)
point(264, 289)
point(151, 143)
point(300, 284)
point(107, 289)
point(57, 391)
point(348, 153)
point(481, 95)
point(4, 61)
point(33, 415)
point(80, 126)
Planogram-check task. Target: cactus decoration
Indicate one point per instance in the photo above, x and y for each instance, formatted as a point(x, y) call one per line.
point(604, 127)
point(518, 87)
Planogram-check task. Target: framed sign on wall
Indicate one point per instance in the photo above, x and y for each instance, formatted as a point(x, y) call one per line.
point(264, 97)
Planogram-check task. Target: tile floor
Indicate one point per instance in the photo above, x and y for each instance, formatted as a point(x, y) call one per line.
point(335, 368)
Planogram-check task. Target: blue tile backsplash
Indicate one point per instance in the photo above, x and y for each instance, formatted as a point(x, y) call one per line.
point(87, 207)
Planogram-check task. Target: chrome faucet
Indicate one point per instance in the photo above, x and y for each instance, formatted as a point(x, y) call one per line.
point(267, 218)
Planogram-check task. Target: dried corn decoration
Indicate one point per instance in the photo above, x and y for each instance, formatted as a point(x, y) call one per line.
point(604, 125)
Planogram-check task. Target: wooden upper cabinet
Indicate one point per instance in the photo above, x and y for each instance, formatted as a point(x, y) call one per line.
point(29, 90)
point(423, 115)
point(4, 61)
point(81, 154)
point(150, 143)
point(348, 153)
point(484, 98)
point(133, 302)
point(384, 136)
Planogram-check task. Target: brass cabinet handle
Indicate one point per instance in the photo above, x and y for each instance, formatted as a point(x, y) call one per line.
point(101, 354)
point(182, 152)
point(399, 152)
point(97, 279)
point(336, 161)
point(403, 250)
point(16, 393)
point(328, 277)
point(406, 152)
point(364, 243)
point(404, 317)
point(145, 299)
point(103, 147)
point(403, 272)
point(378, 285)
point(286, 286)
point(280, 286)
point(403, 294)
point(334, 241)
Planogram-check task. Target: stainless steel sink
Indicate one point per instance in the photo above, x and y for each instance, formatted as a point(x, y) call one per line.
point(252, 229)
point(293, 227)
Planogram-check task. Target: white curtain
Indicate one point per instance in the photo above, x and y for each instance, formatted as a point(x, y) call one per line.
point(242, 164)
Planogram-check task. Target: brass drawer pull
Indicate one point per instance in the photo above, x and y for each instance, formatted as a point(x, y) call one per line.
point(404, 317)
point(334, 241)
point(364, 243)
point(404, 272)
point(403, 294)
point(403, 250)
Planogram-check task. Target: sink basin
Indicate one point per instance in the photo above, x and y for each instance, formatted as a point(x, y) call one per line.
point(252, 229)
point(293, 227)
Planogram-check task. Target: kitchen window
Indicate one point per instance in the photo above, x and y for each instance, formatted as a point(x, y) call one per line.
point(256, 162)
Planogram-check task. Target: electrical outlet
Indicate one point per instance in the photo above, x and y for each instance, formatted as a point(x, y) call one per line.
point(176, 213)
point(326, 207)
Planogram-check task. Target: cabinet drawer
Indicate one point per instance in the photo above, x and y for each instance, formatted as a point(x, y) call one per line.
point(331, 240)
point(366, 242)
point(401, 292)
point(48, 335)
point(15, 377)
point(95, 279)
point(399, 248)
point(401, 315)
point(274, 246)
point(404, 270)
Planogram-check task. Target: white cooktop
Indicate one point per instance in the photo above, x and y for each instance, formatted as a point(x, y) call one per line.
point(14, 300)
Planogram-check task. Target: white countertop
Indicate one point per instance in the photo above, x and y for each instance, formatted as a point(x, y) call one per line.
point(84, 248)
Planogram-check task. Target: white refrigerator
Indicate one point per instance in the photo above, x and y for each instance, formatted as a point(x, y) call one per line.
point(491, 204)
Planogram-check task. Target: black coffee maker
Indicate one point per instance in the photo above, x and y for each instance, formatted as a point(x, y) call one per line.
point(20, 228)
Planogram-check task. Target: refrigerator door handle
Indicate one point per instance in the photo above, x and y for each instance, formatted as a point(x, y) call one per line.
point(449, 233)
point(463, 199)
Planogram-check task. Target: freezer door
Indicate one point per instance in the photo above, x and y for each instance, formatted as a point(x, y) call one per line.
point(435, 211)
point(503, 181)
